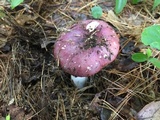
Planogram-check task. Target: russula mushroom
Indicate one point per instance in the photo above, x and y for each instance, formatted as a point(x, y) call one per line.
point(86, 48)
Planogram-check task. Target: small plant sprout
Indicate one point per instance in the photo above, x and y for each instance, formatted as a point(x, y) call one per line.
point(135, 1)
point(155, 4)
point(96, 12)
point(8, 117)
point(88, 47)
point(120, 4)
point(15, 3)
point(151, 38)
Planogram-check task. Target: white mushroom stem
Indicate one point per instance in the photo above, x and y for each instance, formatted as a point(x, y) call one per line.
point(79, 81)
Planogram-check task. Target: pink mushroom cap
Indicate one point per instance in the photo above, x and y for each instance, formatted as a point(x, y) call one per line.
point(83, 52)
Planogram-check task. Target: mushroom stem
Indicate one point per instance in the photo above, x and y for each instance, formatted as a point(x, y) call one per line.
point(79, 81)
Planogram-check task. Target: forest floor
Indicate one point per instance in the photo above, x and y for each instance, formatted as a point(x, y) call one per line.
point(34, 87)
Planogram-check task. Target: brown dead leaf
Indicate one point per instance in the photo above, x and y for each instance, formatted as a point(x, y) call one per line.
point(22, 19)
point(5, 32)
point(18, 113)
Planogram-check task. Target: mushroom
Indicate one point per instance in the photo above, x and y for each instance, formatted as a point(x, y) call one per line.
point(86, 48)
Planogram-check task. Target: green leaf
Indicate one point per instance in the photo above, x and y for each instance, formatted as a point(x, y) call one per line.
point(148, 53)
point(8, 117)
point(155, 4)
point(155, 62)
point(150, 35)
point(120, 4)
point(15, 3)
point(139, 57)
point(96, 12)
point(155, 45)
point(135, 1)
